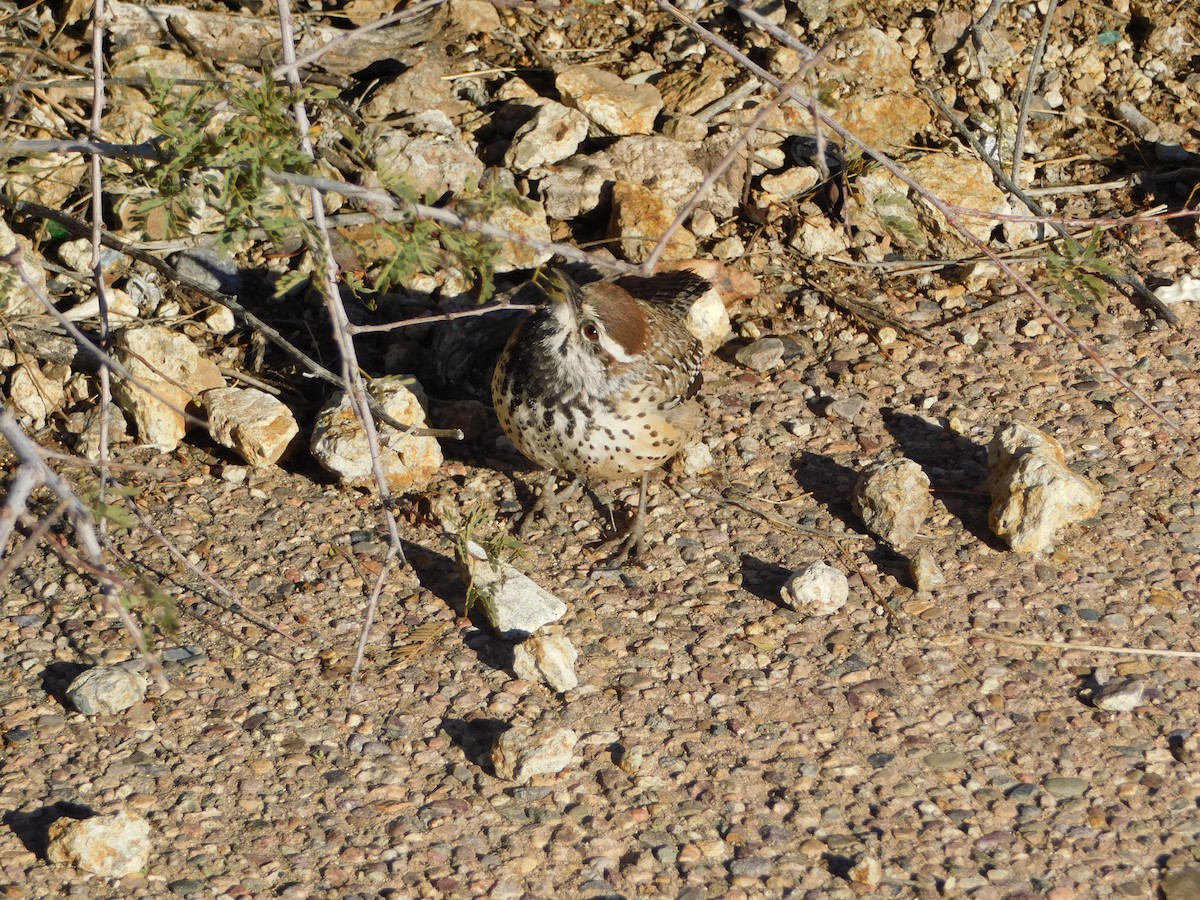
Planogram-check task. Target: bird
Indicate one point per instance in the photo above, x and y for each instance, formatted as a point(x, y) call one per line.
point(600, 382)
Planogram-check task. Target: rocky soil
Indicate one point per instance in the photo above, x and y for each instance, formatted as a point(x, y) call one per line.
point(721, 739)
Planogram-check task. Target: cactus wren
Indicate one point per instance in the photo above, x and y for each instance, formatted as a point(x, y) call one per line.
point(599, 382)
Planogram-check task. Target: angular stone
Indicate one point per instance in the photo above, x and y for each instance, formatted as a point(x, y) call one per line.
point(1034, 494)
point(528, 220)
point(639, 219)
point(33, 394)
point(658, 163)
point(16, 298)
point(111, 846)
point(963, 181)
point(252, 423)
point(876, 96)
point(433, 164)
point(521, 753)
point(893, 500)
point(616, 106)
point(550, 136)
point(687, 92)
point(171, 366)
point(515, 605)
point(409, 461)
point(547, 657)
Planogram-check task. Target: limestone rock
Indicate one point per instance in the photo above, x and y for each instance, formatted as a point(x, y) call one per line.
point(639, 219)
point(893, 500)
point(433, 164)
point(522, 753)
point(107, 690)
point(529, 220)
point(655, 162)
point(819, 589)
point(964, 181)
point(409, 461)
point(1034, 494)
point(16, 299)
point(548, 657)
point(550, 136)
point(170, 365)
point(616, 106)
point(252, 423)
point(111, 846)
point(877, 97)
point(572, 188)
point(33, 394)
point(515, 605)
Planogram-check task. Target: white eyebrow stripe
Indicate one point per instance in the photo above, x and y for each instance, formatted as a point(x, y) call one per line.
point(613, 349)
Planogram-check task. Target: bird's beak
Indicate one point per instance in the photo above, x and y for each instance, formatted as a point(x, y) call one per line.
point(558, 287)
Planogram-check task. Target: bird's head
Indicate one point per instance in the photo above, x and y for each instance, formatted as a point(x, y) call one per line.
point(598, 329)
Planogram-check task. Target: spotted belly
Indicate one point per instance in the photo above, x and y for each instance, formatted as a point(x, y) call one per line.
point(608, 445)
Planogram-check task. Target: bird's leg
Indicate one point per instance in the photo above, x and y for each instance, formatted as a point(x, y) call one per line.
point(631, 543)
point(547, 500)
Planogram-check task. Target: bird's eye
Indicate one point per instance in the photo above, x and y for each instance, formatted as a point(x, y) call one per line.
point(591, 332)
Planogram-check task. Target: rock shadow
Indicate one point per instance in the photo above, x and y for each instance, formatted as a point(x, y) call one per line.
point(956, 466)
point(475, 737)
point(763, 579)
point(57, 677)
point(33, 828)
point(830, 484)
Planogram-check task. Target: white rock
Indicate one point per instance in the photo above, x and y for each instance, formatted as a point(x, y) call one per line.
point(107, 690)
point(694, 459)
point(547, 657)
point(818, 238)
point(572, 188)
point(1034, 494)
point(550, 136)
point(33, 394)
point(521, 753)
point(893, 500)
point(1185, 290)
point(168, 364)
point(432, 163)
point(655, 162)
point(110, 846)
point(121, 308)
point(790, 182)
point(16, 299)
point(925, 571)
point(708, 320)
point(528, 220)
point(515, 605)
point(252, 423)
point(818, 589)
point(409, 461)
point(614, 105)
point(1121, 695)
point(220, 321)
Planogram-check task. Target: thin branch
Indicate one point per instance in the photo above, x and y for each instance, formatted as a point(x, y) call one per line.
point(1069, 646)
point(1035, 64)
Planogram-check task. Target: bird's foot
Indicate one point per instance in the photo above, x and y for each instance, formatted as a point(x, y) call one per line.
point(548, 499)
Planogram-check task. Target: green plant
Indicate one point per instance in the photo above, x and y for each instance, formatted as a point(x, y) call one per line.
point(1079, 270)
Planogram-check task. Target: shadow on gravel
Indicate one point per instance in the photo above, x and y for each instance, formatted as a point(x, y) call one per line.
point(33, 828)
point(475, 738)
point(956, 466)
point(830, 484)
point(763, 579)
point(57, 677)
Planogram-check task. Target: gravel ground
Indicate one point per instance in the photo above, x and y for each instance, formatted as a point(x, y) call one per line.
point(727, 746)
